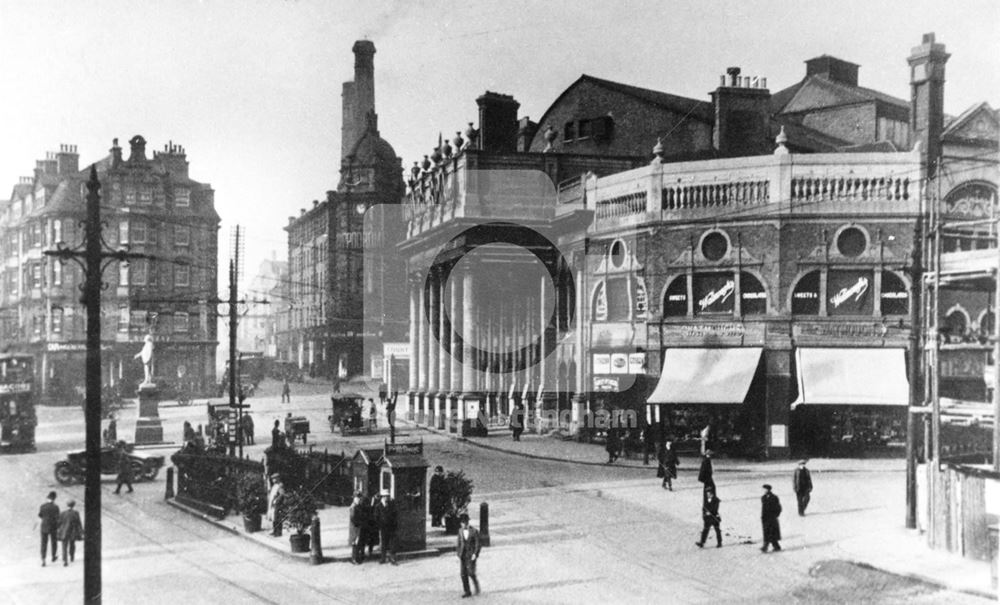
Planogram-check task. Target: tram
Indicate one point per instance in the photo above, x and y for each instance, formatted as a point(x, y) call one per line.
point(17, 402)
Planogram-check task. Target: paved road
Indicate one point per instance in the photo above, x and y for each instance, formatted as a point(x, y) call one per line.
point(562, 533)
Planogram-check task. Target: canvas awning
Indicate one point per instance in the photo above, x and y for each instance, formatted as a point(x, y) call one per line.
point(706, 375)
point(852, 376)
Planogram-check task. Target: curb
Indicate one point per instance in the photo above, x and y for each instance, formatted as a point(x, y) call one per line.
point(925, 580)
point(636, 467)
point(303, 557)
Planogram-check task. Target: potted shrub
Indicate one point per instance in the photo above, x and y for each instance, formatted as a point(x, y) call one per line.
point(298, 509)
point(251, 500)
point(458, 492)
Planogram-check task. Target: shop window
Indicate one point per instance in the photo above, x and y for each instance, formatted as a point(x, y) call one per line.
point(852, 242)
point(675, 302)
point(895, 296)
point(714, 246)
point(805, 296)
point(714, 293)
point(850, 293)
point(753, 298)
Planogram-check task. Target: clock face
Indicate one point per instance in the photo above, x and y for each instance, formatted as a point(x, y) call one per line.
point(360, 208)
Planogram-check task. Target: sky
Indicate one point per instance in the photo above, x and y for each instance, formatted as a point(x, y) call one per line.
point(251, 88)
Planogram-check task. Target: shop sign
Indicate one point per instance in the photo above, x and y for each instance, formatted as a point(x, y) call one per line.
point(619, 363)
point(16, 387)
point(675, 300)
point(602, 363)
point(714, 293)
point(850, 293)
point(840, 330)
point(605, 383)
point(640, 297)
point(730, 329)
point(404, 449)
point(963, 364)
point(636, 363)
point(396, 349)
point(601, 303)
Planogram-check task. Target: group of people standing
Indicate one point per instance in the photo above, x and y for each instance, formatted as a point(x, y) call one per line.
point(65, 526)
point(373, 522)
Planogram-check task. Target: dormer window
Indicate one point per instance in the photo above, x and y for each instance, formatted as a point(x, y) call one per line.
point(569, 131)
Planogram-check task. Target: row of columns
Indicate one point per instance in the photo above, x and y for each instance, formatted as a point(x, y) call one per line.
point(463, 347)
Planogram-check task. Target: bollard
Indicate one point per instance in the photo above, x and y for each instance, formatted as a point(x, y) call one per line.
point(484, 524)
point(316, 549)
point(170, 484)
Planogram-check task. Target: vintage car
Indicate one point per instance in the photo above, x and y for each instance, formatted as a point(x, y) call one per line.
point(347, 414)
point(74, 468)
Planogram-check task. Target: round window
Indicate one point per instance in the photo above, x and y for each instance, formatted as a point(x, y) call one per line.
point(852, 242)
point(617, 254)
point(714, 246)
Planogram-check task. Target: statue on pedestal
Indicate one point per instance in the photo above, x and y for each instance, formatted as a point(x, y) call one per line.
point(146, 354)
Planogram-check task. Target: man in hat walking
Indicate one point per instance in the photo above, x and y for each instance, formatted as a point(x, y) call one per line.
point(49, 514)
point(468, 553)
point(705, 471)
point(438, 496)
point(802, 484)
point(385, 515)
point(70, 530)
point(770, 510)
point(124, 469)
point(710, 516)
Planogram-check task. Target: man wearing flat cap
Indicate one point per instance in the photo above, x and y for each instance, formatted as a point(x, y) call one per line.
point(770, 510)
point(802, 484)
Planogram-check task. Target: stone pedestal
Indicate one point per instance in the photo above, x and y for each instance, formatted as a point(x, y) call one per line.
point(148, 428)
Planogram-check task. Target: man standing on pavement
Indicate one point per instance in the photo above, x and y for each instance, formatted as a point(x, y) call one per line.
point(710, 517)
point(49, 514)
point(286, 391)
point(247, 429)
point(276, 439)
point(770, 510)
point(385, 514)
point(358, 521)
point(705, 471)
point(124, 469)
point(390, 416)
point(438, 496)
point(802, 484)
point(612, 444)
point(70, 530)
point(667, 464)
point(468, 553)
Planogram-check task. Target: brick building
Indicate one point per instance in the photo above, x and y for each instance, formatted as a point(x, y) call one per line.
point(149, 205)
point(333, 286)
point(751, 276)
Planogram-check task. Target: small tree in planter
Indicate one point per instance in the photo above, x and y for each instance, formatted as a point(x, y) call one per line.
point(458, 491)
point(298, 507)
point(251, 500)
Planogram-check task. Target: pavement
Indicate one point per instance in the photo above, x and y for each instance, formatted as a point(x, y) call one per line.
point(884, 544)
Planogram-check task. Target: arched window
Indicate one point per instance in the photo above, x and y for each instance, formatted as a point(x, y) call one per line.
point(805, 296)
point(753, 298)
point(955, 325)
point(714, 293)
point(895, 295)
point(675, 298)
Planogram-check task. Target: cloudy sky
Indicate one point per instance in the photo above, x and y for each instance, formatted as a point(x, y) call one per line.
point(251, 88)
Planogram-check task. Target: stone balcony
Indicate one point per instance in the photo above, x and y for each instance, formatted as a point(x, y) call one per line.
point(780, 184)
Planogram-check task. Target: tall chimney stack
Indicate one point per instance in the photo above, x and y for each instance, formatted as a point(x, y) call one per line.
point(927, 99)
point(358, 96)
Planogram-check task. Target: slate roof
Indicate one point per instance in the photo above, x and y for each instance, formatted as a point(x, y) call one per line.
point(701, 109)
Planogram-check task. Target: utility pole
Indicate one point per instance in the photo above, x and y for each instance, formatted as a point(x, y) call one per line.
point(234, 401)
point(93, 255)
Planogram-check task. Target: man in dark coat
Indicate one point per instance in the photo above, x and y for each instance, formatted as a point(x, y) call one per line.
point(710, 517)
point(802, 484)
point(667, 464)
point(277, 440)
point(612, 444)
point(70, 530)
point(124, 469)
point(390, 416)
point(247, 429)
point(358, 514)
point(49, 514)
point(370, 534)
point(517, 421)
point(648, 441)
point(468, 553)
point(438, 496)
point(770, 510)
point(385, 515)
point(705, 471)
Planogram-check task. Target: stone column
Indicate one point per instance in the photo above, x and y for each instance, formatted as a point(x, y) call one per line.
point(433, 346)
point(444, 354)
point(456, 348)
point(422, 352)
point(470, 384)
point(579, 396)
point(411, 398)
point(543, 363)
